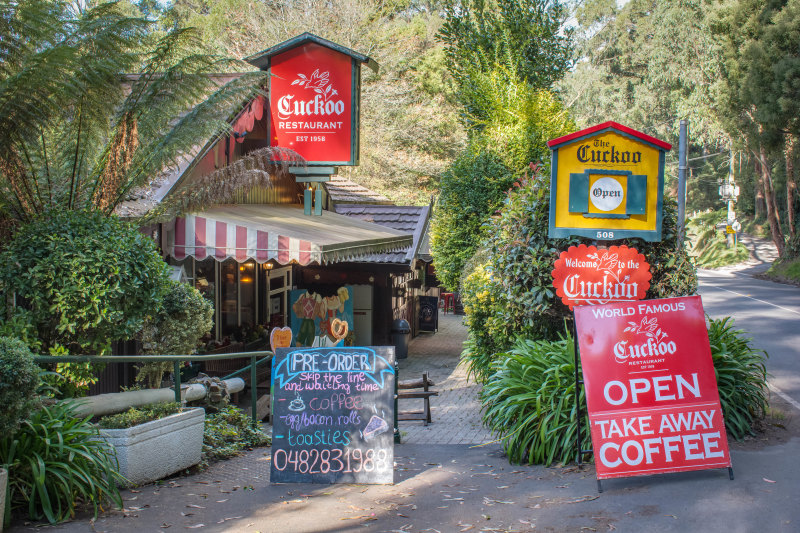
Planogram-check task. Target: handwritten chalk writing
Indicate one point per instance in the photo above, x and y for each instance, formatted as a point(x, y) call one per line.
point(356, 360)
point(332, 362)
point(324, 437)
point(315, 461)
point(336, 401)
point(321, 382)
point(304, 420)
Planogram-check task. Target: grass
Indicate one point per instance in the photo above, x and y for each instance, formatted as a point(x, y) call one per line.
point(785, 270)
point(709, 245)
point(758, 227)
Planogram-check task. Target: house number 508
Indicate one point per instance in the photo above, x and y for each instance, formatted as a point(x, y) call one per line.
point(605, 234)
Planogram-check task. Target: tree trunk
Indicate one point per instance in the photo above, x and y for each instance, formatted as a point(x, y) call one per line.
point(791, 184)
point(769, 196)
point(759, 205)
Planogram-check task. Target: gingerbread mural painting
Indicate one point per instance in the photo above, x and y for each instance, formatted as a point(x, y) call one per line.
point(321, 320)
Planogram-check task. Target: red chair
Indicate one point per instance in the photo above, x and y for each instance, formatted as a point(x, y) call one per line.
point(448, 302)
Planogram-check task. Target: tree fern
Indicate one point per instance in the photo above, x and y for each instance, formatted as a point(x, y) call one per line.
point(75, 131)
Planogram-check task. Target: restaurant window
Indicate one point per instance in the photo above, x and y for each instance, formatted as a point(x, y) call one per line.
point(248, 286)
point(229, 298)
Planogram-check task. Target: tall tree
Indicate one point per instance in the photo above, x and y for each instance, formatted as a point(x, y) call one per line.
point(526, 37)
point(757, 79)
point(772, 86)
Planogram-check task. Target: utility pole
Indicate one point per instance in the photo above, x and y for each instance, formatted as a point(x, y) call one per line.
point(682, 166)
point(729, 192)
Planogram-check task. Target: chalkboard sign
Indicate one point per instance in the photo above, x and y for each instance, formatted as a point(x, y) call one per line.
point(334, 415)
point(428, 313)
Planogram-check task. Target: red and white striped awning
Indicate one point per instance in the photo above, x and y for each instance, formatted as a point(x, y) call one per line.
point(278, 233)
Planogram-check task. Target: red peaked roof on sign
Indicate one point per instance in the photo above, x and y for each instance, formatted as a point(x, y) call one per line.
point(605, 126)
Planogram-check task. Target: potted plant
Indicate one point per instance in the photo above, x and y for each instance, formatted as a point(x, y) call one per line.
point(19, 378)
point(154, 441)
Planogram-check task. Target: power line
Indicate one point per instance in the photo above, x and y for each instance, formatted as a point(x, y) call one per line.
point(698, 158)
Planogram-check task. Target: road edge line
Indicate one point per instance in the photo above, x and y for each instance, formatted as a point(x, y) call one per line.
point(783, 395)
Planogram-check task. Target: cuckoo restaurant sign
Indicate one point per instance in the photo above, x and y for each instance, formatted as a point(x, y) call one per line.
point(607, 183)
point(314, 93)
point(584, 275)
point(650, 386)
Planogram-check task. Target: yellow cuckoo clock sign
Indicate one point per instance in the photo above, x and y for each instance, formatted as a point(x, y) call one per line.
point(607, 183)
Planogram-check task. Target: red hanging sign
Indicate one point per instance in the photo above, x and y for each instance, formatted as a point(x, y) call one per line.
point(650, 387)
point(584, 275)
point(311, 103)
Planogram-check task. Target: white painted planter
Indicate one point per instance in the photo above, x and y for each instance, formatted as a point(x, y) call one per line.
point(156, 449)
point(3, 488)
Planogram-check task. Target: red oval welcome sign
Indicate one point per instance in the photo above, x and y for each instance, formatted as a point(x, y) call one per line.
point(584, 275)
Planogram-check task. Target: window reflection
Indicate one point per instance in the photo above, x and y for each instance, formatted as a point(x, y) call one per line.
point(229, 298)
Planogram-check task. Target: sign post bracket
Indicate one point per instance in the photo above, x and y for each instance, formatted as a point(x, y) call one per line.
point(578, 410)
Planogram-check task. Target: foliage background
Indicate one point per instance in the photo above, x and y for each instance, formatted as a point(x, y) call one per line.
point(19, 379)
point(183, 318)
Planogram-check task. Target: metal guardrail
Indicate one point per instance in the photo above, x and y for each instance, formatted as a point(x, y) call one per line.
point(265, 356)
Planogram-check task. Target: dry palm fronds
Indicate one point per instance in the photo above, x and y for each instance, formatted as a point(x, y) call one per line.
point(256, 169)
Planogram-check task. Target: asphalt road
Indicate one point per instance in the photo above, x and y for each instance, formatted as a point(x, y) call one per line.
point(769, 312)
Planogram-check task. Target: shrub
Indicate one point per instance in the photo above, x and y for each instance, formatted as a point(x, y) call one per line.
point(529, 401)
point(741, 377)
point(19, 378)
point(230, 431)
point(139, 415)
point(56, 461)
point(508, 291)
point(85, 279)
point(471, 191)
point(184, 317)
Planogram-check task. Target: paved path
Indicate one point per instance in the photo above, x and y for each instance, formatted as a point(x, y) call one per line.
point(456, 411)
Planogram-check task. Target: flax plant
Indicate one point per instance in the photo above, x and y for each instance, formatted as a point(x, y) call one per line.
point(529, 402)
point(56, 462)
point(741, 377)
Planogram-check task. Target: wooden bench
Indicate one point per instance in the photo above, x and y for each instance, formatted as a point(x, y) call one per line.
point(416, 389)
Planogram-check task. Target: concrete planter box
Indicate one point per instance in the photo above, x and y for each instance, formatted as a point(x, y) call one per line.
point(3, 488)
point(156, 449)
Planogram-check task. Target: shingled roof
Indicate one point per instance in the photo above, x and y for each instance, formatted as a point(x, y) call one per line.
point(405, 218)
point(343, 191)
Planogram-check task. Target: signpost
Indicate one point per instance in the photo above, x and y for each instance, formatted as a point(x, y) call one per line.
point(607, 183)
point(584, 275)
point(651, 389)
point(334, 412)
